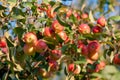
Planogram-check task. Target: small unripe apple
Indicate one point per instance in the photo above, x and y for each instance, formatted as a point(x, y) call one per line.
point(56, 54)
point(96, 29)
point(29, 49)
point(101, 21)
point(116, 59)
point(84, 29)
point(40, 46)
point(30, 38)
point(93, 47)
point(57, 27)
point(48, 31)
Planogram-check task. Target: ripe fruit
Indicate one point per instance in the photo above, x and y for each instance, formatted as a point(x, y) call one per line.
point(57, 27)
point(93, 47)
point(30, 38)
point(48, 32)
point(69, 13)
point(76, 15)
point(84, 29)
point(96, 29)
point(28, 49)
point(63, 35)
point(101, 21)
point(44, 73)
point(94, 56)
point(84, 16)
point(40, 46)
point(4, 50)
point(101, 65)
point(2, 44)
point(53, 65)
point(77, 69)
point(84, 49)
point(71, 67)
point(116, 59)
point(55, 54)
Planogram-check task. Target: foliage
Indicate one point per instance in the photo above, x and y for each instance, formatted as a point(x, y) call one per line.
point(56, 34)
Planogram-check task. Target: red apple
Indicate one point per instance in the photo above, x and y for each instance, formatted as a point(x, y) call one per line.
point(40, 46)
point(93, 47)
point(4, 50)
point(48, 31)
point(63, 35)
point(69, 13)
point(53, 65)
point(2, 44)
point(44, 73)
point(84, 29)
point(116, 59)
point(84, 16)
point(84, 49)
point(74, 68)
point(30, 38)
point(57, 27)
point(96, 29)
point(101, 65)
point(29, 49)
point(56, 54)
point(94, 56)
point(77, 69)
point(101, 21)
point(71, 67)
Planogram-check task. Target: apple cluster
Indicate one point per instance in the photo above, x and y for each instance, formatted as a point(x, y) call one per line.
point(65, 36)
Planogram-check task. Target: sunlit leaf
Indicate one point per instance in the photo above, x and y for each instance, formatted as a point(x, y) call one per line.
point(115, 18)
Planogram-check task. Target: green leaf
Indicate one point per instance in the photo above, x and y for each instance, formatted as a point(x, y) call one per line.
point(62, 22)
point(64, 48)
point(109, 43)
point(2, 7)
point(19, 31)
point(9, 43)
point(12, 76)
point(27, 4)
point(65, 71)
point(91, 17)
point(116, 76)
point(109, 69)
point(17, 17)
point(80, 62)
point(11, 1)
point(115, 18)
